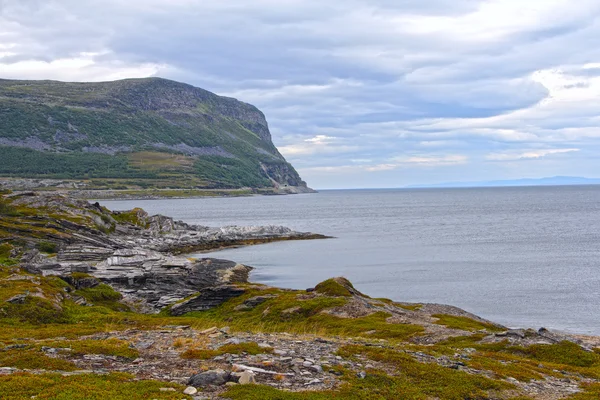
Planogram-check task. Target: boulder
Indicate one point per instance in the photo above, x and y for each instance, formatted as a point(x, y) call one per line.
point(215, 377)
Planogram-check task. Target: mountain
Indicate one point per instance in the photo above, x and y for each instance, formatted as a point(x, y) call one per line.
point(137, 133)
point(550, 181)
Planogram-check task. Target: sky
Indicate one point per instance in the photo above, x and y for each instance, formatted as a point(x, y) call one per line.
point(359, 93)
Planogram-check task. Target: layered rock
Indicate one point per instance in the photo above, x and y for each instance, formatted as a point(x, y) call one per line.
point(134, 252)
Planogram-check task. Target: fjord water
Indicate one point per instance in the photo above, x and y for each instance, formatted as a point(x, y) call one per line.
point(523, 257)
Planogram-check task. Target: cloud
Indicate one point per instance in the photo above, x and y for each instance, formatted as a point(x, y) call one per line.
point(532, 154)
point(412, 87)
point(317, 144)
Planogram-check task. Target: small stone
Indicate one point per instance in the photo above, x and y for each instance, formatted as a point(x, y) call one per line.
point(190, 390)
point(317, 368)
point(307, 364)
point(280, 352)
point(167, 390)
point(231, 384)
point(226, 329)
point(264, 346)
point(314, 382)
point(209, 331)
point(361, 375)
point(246, 378)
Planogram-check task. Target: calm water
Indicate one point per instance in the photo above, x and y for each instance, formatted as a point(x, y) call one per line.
point(524, 257)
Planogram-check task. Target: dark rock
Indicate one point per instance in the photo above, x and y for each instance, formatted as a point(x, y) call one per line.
point(216, 377)
point(81, 283)
point(18, 299)
point(253, 302)
point(208, 298)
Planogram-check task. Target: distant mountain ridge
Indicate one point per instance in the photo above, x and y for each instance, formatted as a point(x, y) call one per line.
point(148, 132)
point(549, 181)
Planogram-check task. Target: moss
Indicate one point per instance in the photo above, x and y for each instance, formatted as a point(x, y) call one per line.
point(103, 295)
point(132, 217)
point(411, 381)
point(100, 293)
point(108, 347)
point(566, 353)
point(30, 359)
point(250, 348)
point(464, 323)
point(409, 307)
point(333, 287)
point(505, 366)
point(47, 247)
point(114, 386)
point(590, 392)
point(431, 380)
point(37, 311)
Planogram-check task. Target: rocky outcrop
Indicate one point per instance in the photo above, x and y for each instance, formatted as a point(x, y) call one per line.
point(208, 298)
point(135, 253)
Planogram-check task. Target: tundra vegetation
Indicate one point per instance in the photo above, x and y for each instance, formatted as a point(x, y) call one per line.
point(49, 327)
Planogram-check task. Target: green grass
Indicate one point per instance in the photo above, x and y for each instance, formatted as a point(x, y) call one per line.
point(108, 347)
point(250, 348)
point(114, 386)
point(333, 287)
point(31, 359)
point(566, 353)
point(47, 247)
point(411, 381)
point(288, 313)
point(464, 323)
point(133, 217)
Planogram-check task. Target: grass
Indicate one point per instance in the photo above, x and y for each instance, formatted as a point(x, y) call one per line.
point(114, 386)
point(288, 313)
point(411, 381)
point(334, 287)
point(566, 353)
point(47, 247)
point(132, 217)
point(32, 359)
point(108, 347)
point(251, 348)
point(464, 323)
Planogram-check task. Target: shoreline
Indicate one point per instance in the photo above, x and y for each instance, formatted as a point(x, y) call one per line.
point(91, 290)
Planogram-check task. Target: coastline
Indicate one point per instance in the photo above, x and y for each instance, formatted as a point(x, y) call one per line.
point(110, 288)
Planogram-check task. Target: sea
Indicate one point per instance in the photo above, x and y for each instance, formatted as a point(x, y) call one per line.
point(521, 256)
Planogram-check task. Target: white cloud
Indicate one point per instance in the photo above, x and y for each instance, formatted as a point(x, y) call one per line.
point(317, 144)
point(531, 154)
point(80, 68)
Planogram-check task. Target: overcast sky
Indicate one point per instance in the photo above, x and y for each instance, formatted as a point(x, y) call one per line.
point(358, 93)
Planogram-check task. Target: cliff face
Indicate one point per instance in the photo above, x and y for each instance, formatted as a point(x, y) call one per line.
point(152, 131)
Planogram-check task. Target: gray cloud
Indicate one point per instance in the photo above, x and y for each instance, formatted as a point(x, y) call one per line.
point(385, 80)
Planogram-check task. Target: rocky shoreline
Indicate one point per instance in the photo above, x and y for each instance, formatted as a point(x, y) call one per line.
point(140, 255)
point(89, 293)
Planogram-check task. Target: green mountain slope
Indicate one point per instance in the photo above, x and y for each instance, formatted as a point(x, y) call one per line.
point(137, 132)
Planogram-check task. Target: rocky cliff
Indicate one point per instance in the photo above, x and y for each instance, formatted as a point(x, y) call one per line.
point(137, 133)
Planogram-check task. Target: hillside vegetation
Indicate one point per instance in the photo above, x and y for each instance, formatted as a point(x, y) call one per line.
point(137, 133)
